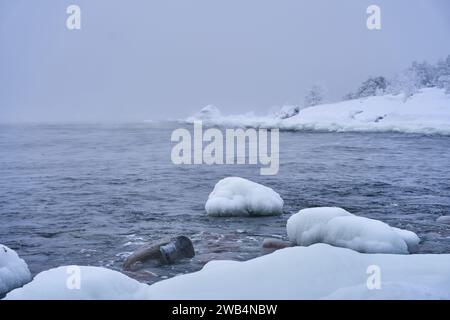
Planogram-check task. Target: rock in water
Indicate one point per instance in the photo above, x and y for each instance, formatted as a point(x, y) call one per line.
point(164, 252)
point(275, 244)
point(444, 219)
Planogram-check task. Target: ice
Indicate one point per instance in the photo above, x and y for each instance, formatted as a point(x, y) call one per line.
point(13, 270)
point(340, 228)
point(234, 196)
point(428, 111)
point(319, 271)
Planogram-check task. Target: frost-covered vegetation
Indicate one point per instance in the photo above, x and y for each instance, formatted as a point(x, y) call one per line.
point(417, 76)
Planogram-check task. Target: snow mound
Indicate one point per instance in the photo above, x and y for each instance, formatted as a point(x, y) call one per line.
point(340, 228)
point(234, 196)
point(427, 111)
point(95, 283)
point(13, 270)
point(319, 271)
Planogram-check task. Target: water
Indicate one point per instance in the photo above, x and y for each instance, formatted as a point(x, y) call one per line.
point(92, 194)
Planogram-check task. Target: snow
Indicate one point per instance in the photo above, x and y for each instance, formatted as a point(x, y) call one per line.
point(207, 113)
point(319, 271)
point(234, 196)
point(443, 219)
point(340, 228)
point(428, 111)
point(95, 283)
point(13, 270)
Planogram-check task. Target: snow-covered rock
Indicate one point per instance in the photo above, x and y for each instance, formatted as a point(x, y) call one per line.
point(13, 270)
point(340, 228)
point(319, 271)
point(428, 111)
point(234, 196)
point(207, 113)
point(286, 111)
point(444, 219)
point(78, 283)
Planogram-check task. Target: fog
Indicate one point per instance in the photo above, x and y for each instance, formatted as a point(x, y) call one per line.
point(151, 60)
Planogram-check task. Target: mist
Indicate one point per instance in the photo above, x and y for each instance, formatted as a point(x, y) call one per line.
point(154, 60)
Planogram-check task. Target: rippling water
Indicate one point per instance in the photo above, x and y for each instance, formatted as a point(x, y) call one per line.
point(91, 194)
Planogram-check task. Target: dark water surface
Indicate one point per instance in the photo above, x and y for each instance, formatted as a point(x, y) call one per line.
point(91, 194)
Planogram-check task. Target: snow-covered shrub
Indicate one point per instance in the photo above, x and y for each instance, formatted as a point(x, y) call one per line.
point(286, 112)
point(234, 196)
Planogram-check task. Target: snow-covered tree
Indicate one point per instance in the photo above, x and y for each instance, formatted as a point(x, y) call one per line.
point(442, 75)
point(314, 96)
point(371, 87)
point(407, 82)
point(423, 73)
point(444, 83)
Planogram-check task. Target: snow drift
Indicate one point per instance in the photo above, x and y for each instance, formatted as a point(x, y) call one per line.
point(316, 272)
point(95, 283)
point(234, 196)
point(13, 270)
point(340, 228)
point(428, 111)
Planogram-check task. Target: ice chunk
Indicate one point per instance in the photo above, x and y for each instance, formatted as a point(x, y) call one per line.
point(338, 227)
point(444, 219)
point(234, 196)
point(13, 270)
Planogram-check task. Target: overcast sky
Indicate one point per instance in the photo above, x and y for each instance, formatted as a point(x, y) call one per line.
point(155, 59)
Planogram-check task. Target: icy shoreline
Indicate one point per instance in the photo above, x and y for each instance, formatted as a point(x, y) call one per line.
point(426, 112)
point(319, 271)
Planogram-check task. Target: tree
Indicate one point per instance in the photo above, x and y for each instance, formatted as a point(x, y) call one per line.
point(373, 86)
point(423, 73)
point(314, 95)
point(442, 74)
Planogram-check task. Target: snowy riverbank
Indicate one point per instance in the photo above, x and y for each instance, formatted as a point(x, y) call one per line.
point(428, 112)
point(316, 272)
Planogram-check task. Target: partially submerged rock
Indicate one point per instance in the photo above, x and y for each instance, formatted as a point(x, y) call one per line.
point(444, 219)
point(166, 251)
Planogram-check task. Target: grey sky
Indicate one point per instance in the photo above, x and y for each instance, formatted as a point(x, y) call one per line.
point(154, 59)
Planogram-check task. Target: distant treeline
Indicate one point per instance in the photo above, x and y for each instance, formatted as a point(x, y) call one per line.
point(417, 76)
